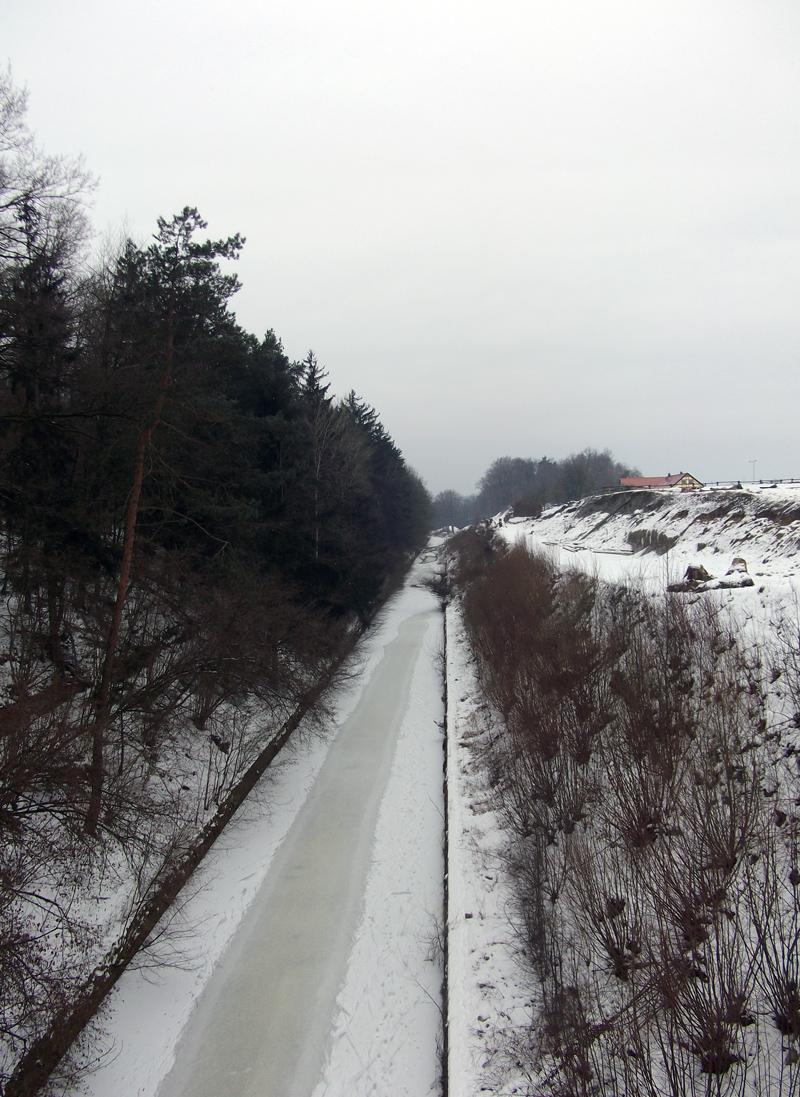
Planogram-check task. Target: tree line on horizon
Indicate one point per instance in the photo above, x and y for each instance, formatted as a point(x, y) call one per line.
point(528, 485)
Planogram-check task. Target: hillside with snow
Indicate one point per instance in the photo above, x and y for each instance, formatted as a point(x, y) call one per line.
point(698, 769)
point(656, 535)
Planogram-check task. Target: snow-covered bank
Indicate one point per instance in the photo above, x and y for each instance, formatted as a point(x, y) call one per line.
point(652, 537)
point(648, 541)
point(139, 1029)
point(488, 997)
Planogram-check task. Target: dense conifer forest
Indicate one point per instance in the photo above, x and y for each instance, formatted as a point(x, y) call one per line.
point(192, 530)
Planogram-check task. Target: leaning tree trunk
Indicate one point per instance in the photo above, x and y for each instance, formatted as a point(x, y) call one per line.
point(96, 771)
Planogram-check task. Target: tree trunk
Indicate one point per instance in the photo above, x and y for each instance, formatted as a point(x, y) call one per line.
point(101, 706)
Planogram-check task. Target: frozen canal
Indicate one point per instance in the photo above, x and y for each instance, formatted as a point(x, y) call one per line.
point(330, 984)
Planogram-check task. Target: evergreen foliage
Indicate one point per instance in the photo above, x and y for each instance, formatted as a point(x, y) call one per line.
point(191, 525)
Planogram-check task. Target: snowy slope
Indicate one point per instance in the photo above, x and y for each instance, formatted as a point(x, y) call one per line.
point(658, 534)
point(645, 538)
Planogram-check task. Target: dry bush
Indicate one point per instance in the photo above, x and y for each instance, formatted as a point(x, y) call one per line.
point(440, 583)
point(41, 872)
point(785, 665)
point(471, 550)
point(654, 835)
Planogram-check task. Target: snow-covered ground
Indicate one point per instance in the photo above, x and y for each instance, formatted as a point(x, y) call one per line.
point(651, 537)
point(488, 998)
point(380, 1031)
point(385, 1023)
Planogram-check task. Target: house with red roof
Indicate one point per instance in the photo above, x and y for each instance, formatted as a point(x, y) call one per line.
point(683, 480)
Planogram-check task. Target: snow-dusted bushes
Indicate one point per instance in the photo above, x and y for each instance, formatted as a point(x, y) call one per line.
point(654, 834)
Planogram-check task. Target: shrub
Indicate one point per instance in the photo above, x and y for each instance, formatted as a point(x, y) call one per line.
point(653, 842)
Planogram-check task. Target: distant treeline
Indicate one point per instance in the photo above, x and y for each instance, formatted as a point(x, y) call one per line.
point(528, 485)
point(191, 529)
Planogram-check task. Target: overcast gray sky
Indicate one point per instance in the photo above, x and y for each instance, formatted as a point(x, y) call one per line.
point(514, 227)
